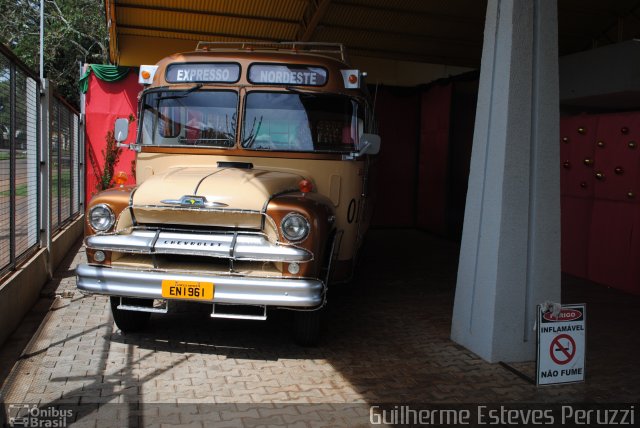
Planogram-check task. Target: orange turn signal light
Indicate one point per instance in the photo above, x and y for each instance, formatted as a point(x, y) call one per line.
point(121, 178)
point(305, 186)
point(353, 78)
point(145, 74)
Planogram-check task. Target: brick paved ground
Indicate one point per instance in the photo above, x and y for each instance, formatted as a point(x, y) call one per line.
point(387, 341)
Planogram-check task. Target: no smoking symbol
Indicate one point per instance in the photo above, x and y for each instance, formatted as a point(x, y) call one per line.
point(562, 349)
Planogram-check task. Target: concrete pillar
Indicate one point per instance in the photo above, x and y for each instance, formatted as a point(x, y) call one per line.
point(510, 251)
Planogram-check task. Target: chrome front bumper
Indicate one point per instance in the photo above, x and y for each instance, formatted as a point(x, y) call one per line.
point(239, 290)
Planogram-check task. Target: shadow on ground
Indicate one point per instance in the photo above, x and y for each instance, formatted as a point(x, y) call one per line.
point(387, 337)
point(388, 331)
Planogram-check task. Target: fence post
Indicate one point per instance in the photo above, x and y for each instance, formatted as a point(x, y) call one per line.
point(45, 174)
point(81, 147)
point(33, 161)
point(12, 165)
point(81, 160)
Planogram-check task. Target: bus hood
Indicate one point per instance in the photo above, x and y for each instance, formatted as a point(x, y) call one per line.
point(228, 197)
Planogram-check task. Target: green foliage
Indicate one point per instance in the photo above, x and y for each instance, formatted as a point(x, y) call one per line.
point(111, 154)
point(75, 31)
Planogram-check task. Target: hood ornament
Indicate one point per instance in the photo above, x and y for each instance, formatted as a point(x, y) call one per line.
point(194, 202)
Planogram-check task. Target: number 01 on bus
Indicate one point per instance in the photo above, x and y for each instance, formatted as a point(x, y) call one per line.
point(192, 290)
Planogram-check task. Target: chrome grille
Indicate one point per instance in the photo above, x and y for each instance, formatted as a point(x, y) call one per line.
point(230, 245)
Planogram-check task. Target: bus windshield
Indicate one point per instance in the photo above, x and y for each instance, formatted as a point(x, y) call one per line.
point(274, 121)
point(190, 117)
point(301, 122)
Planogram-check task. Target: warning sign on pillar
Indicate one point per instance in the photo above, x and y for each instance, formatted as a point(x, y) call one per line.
point(561, 345)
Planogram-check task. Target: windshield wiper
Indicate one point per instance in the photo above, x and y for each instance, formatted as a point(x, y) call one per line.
point(183, 94)
point(311, 94)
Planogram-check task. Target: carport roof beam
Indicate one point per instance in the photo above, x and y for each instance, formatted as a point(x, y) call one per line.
point(312, 17)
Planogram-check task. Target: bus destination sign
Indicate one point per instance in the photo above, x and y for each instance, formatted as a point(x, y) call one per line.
point(209, 72)
point(298, 75)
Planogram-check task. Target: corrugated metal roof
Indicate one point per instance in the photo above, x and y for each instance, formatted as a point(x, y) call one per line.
point(448, 32)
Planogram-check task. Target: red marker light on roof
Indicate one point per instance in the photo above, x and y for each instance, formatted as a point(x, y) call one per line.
point(305, 186)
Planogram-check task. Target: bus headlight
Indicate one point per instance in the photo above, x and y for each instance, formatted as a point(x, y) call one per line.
point(101, 218)
point(295, 227)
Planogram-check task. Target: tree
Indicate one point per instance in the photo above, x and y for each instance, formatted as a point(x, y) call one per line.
point(75, 31)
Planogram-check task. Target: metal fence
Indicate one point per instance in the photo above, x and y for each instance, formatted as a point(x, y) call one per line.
point(20, 162)
point(63, 154)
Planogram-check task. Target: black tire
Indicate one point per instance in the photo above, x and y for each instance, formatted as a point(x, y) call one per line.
point(307, 327)
point(130, 321)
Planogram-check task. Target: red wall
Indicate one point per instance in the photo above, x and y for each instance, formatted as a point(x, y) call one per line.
point(422, 160)
point(104, 103)
point(433, 166)
point(397, 110)
point(600, 184)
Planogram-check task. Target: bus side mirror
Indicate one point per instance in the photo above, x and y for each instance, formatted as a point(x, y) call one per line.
point(370, 144)
point(121, 130)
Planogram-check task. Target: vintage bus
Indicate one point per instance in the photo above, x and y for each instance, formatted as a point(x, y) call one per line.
point(253, 192)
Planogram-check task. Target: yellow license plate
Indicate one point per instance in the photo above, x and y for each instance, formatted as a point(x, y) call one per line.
point(192, 290)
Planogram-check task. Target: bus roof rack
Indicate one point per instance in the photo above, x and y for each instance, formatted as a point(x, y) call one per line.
point(336, 50)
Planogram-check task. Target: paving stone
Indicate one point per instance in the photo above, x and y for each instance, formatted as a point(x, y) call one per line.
point(387, 341)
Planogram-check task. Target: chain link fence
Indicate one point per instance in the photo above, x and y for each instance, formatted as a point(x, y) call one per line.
point(20, 162)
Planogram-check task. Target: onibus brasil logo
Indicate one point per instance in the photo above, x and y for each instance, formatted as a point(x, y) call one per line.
point(30, 415)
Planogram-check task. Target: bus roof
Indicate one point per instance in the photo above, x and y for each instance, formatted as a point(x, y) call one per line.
point(328, 57)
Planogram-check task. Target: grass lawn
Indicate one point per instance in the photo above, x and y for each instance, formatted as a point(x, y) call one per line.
point(21, 190)
point(4, 155)
point(65, 182)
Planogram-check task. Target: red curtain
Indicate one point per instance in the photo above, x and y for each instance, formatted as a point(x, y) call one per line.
point(104, 103)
